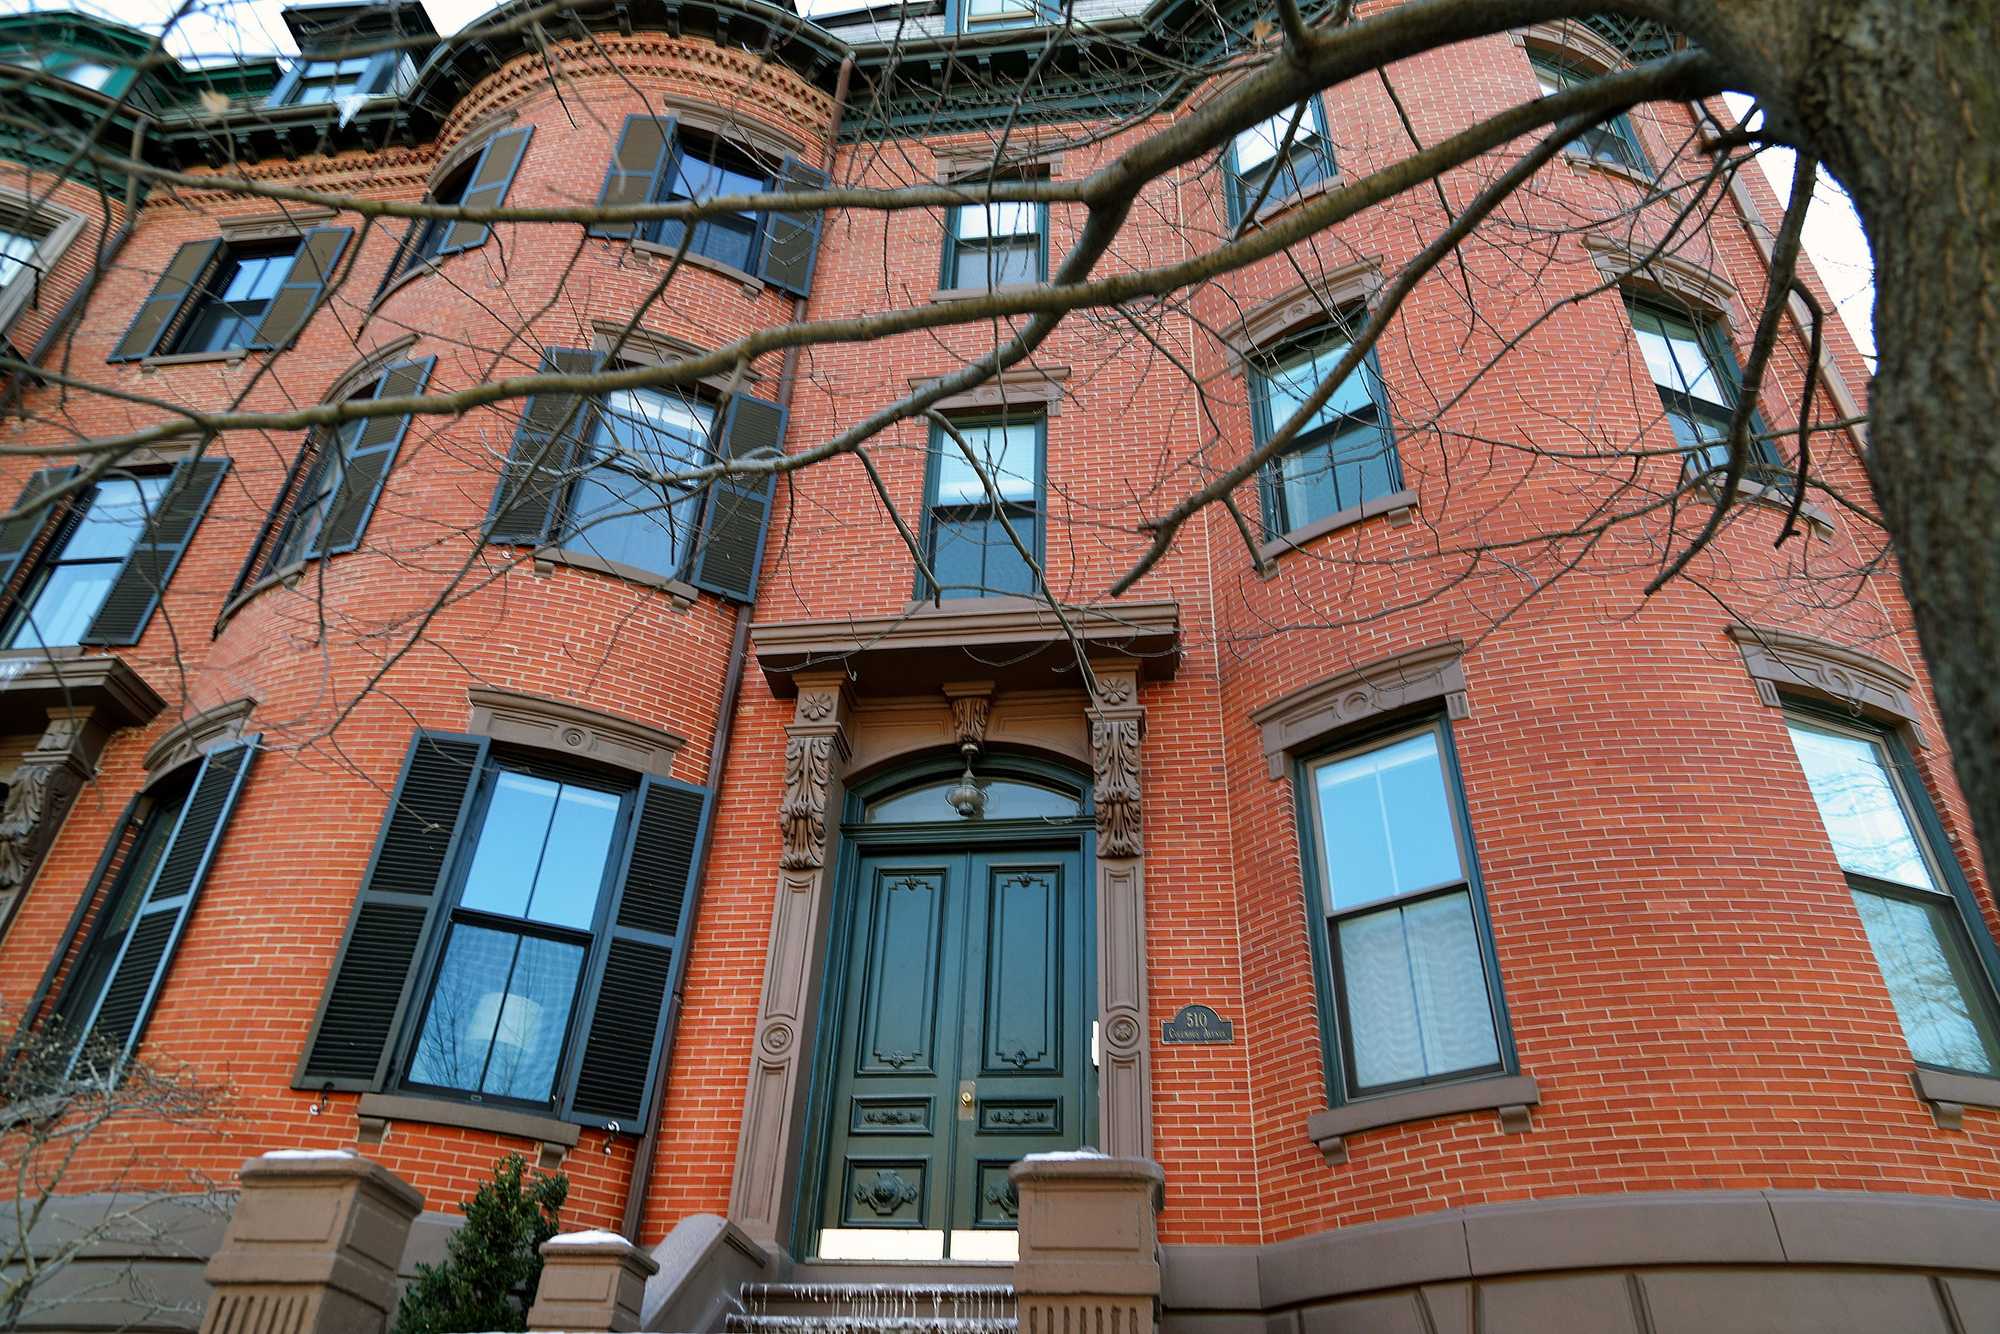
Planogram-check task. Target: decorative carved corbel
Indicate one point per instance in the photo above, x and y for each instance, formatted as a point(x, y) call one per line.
point(1117, 724)
point(802, 813)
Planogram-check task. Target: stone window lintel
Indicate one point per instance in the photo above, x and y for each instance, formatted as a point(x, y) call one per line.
point(1307, 716)
point(519, 719)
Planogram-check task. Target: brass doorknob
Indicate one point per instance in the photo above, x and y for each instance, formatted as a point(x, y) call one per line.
point(965, 1097)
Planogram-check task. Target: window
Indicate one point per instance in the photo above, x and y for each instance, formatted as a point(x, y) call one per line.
point(91, 567)
point(332, 82)
point(338, 480)
point(966, 539)
point(65, 594)
point(499, 1014)
point(516, 935)
point(150, 878)
point(980, 15)
point(1344, 457)
point(481, 180)
point(581, 482)
point(17, 253)
point(659, 161)
point(229, 310)
point(34, 234)
point(616, 511)
point(1414, 996)
point(1614, 142)
point(1695, 372)
point(996, 245)
point(224, 296)
point(1264, 168)
point(322, 81)
point(1911, 904)
point(89, 74)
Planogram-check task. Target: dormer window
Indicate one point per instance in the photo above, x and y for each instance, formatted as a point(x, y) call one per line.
point(334, 81)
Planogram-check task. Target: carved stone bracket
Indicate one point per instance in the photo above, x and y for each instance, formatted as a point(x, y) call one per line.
point(39, 796)
point(971, 709)
point(1117, 723)
point(802, 813)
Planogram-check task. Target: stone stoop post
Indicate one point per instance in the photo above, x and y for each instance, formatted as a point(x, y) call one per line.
point(1090, 1250)
point(592, 1283)
point(312, 1246)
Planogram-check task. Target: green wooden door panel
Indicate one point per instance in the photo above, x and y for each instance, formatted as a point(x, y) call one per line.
point(966, 974)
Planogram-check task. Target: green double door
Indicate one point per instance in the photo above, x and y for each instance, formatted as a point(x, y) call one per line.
point(963, 1045)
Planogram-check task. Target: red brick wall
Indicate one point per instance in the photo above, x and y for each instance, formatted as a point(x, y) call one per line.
point(1684, 970)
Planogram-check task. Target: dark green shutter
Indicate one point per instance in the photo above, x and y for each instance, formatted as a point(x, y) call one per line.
point(161, 312)
point(729, 550)
point(144, 576)
point(791, 240)
point(19, 534)
point(625, 1021)
point(134, 982)
point(487, 188)
point(299, 479)
point(373, 974)
point(368, 465)
point(634, 174)
point(299, 295)
point(546, 446)
point(404, 248)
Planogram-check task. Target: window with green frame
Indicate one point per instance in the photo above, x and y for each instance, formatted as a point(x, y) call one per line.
point(1695, 371)
point(1615, 141)
point(1344, 457)
point(1915, 906)
point(1410, 991)
point(965, 532)
point(1277, 159)
point(996, 245)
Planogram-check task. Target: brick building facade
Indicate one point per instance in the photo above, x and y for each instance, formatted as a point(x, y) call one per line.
point(1553, 989)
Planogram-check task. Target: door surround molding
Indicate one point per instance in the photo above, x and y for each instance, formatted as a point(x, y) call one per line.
point(827, 736)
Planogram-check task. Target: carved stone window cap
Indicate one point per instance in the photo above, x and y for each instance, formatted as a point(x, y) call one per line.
point(1783, 662)
point(291, 221)
point(1574, 41)
point(1318, 301)
point(364, 372)
point(1033, 387)
point(518, 719)
point(1675, 275)
point(654, 348)
point(198, 734)
point(1309, 715)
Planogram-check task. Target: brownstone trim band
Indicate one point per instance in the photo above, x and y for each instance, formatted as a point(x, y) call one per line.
point(1299, 720)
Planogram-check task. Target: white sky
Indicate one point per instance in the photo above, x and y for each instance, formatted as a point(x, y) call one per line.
point(233, 29)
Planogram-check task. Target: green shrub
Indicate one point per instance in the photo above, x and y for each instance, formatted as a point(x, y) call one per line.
point(492, 1264)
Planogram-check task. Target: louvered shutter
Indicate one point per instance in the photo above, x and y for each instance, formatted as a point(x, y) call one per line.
point(401, 258)
point(791, 240)
point(730, 549)
point(161, 312)
point(312, 268)
point(644, 146)
point(373, 975)
point(134, 981)
point(19, 534)
point(526, 502)
point(144, 576)
point(369, 462)
point(625, 1018)
point(488, 187)
point(300, 479)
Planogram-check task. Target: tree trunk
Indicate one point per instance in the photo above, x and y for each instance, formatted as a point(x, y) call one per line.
point(1902, 99)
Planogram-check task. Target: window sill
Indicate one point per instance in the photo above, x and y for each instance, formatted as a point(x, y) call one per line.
point(229, 354)
point(1777, 498)
point(1617, 171)
point(751, 284)
point(405, 278)
point(377, 1111)
point(974, 293)
point(1509, 1095)
point(682, 593)
point(1950, 1093)
point(1271, 208)
point(290, 576)
point(1400, 506)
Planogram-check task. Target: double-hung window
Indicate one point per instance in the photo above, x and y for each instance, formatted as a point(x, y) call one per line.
point(480, 180)
point(325, 81)
point(68, 588)
point(1278, 159)
point(604, 482)
point(501, 1008)
point(1414, 995)
point(17, 254)
point(982, 15)
point(624, 508)
point(1343, 457)
point(34, 233)
point(1695, 372)
point(658, 160)
point(1615, 141)
point(229, 296)
point(967, 539)
point(336, 80)
point(996, 245)
point(1917, 915)
point(516, 935)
